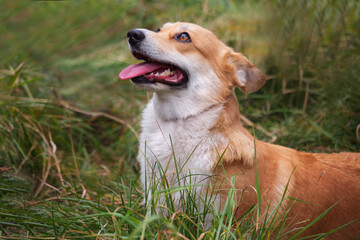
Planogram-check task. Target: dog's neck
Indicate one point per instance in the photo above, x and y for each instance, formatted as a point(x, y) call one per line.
point(173, 107)
point(240, 143)
point(221, 117)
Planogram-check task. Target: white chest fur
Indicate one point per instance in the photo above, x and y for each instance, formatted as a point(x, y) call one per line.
point(189, 141)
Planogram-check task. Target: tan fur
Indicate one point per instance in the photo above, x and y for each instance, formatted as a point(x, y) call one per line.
point(319, 179)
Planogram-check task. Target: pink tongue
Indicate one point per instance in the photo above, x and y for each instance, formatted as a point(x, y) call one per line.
point(139, 69)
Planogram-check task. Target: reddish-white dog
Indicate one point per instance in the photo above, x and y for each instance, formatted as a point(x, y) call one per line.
point(194, 115)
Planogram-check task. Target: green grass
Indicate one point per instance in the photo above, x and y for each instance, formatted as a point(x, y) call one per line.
point(68, 127)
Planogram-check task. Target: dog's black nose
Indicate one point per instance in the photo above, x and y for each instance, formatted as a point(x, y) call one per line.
point(135, 36)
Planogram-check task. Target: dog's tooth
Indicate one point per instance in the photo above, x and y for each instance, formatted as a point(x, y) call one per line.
point(165, 73)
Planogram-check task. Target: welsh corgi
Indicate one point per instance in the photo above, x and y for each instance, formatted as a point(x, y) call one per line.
point(193, 117)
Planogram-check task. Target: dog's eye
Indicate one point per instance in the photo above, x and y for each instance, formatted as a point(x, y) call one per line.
point(183, 37)
point(158, 30)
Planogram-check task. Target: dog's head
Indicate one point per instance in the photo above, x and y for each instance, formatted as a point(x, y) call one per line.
point(184, 60)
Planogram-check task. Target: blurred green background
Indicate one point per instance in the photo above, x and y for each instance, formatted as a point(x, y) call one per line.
point(68, 126)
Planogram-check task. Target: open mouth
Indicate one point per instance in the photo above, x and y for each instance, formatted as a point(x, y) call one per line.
point(153, 71)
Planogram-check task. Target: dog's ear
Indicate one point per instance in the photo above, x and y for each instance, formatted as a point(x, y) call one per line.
point(248, 77)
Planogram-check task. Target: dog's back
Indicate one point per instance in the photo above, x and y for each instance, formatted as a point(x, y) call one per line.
point(347, 162)
point(329, 181)
point(319, 182)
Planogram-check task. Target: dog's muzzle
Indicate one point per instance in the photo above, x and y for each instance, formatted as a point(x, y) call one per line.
point(152, 70)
